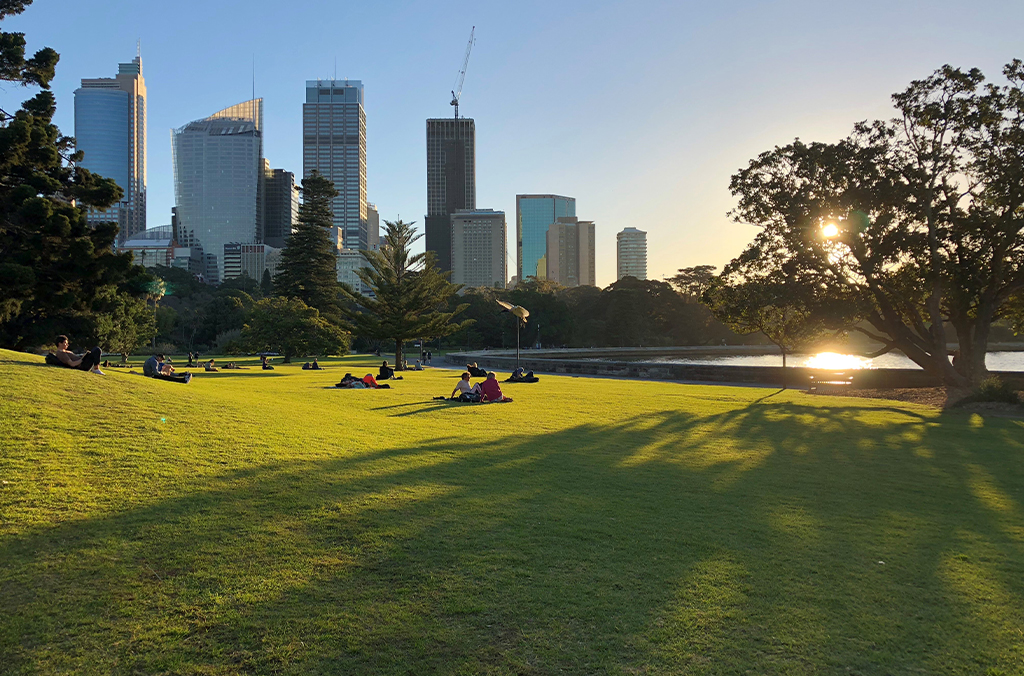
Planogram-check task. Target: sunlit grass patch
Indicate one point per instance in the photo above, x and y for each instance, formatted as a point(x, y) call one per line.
point(266, 522)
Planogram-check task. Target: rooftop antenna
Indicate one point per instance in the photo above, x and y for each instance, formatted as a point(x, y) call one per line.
point(457, 91)
point(138, 48)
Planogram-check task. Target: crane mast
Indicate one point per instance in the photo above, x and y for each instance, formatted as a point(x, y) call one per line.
point(457, 90)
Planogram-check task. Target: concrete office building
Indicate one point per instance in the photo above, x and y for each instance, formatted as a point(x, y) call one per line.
point(350, 260)
point(478, 248)
point(534, 214)
point(110, 130)
point(250, 260)
point(372, 227)
point(334, 144)
point(570, 252)
point(280, 205)
point(631, 247)
point(218, 177)
point(451, 181)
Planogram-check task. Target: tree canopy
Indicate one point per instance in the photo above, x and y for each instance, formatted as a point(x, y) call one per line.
point(289, 326)
point(308, 268)
point(58, 274)
point(912, 225)
point(409, 293)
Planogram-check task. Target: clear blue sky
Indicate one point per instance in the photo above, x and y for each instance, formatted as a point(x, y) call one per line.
point(639, 110)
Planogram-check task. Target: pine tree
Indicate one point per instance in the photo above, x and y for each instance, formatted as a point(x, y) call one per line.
point(308, 264)
point(57, 274)
point(410, 294)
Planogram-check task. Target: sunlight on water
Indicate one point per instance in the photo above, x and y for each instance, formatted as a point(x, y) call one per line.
point(836, 361)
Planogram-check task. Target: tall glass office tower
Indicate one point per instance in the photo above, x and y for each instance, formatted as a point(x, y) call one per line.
point(334, 144)
point(451, 181)
point(110, 130)
point(218, 176)
point(534, 214)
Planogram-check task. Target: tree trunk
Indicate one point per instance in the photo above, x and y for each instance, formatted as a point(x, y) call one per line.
point(785, 376)
point(399, 358)
point(287, 358)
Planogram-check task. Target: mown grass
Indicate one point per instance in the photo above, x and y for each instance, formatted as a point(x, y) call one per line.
point(265, 522)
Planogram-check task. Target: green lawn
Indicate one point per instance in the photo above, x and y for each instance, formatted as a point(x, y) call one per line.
point(265, 522)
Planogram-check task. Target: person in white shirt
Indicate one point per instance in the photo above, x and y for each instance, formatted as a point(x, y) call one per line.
point(466, 391)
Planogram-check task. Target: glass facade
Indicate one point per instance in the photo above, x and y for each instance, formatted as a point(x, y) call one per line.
point(218, 167)
point(110, 130)
point(334, 144)
point(534, 214)
point(451, 180)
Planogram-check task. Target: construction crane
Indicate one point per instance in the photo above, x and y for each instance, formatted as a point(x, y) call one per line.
point(457, 91)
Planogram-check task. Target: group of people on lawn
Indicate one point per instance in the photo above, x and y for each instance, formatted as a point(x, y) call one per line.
point(157, 366)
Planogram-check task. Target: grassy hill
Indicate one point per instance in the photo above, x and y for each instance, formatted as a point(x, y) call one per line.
point(265, 522)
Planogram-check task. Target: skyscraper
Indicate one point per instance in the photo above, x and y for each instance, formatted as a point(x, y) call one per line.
point(280, 205)
point(334, 144)
point(534, 214)
point(478, 248)
point(110, 129)
point(451, 180)
point(570, 252)
point(218, 176)
point(632, 253)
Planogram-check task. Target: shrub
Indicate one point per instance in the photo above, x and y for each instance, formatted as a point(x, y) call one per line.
point(992, 389)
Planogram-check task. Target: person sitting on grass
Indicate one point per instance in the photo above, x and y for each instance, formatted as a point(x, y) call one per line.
point(492, 390)
point(466, 391)
point(418, 367)
point(316, 365)
point(90, 361)
point(154, 367)
point(386, 372)
point(476, 371)
point(210, 367)
point(266, 363)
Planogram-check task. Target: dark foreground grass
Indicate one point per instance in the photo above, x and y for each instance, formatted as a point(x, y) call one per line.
point(262, 522)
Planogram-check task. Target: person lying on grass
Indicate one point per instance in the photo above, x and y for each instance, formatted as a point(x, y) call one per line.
point(492, 390)
point(90, 361)
point(476, 371)
point(154, 367)
point(232, 366)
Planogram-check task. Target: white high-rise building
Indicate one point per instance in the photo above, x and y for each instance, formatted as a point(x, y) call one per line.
point(632, 253)
point(334, 144)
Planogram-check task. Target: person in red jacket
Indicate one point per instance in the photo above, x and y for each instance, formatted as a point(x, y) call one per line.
point(492, 390)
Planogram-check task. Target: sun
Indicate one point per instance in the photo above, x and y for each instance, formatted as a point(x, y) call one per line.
point(830, 230)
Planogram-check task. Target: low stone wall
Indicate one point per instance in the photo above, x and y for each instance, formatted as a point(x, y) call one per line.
point(710, 373)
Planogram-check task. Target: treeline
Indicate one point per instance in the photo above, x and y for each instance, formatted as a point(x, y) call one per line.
point(631, 312)
point(628, 313)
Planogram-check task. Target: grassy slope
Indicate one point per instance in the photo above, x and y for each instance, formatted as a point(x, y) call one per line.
point(260, 522)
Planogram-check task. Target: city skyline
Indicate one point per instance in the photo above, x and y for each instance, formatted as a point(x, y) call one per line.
point(705, 89)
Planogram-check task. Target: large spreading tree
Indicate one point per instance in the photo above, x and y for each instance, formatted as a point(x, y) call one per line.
point(913, 226)
point(308, 268)
point(289, 326)
point(409, 294)
point(58, 274)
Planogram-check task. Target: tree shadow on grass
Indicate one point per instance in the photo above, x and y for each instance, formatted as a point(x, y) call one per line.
point(749, 538)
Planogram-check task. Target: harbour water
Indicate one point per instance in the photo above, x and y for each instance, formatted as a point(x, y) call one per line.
point(996, 361)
